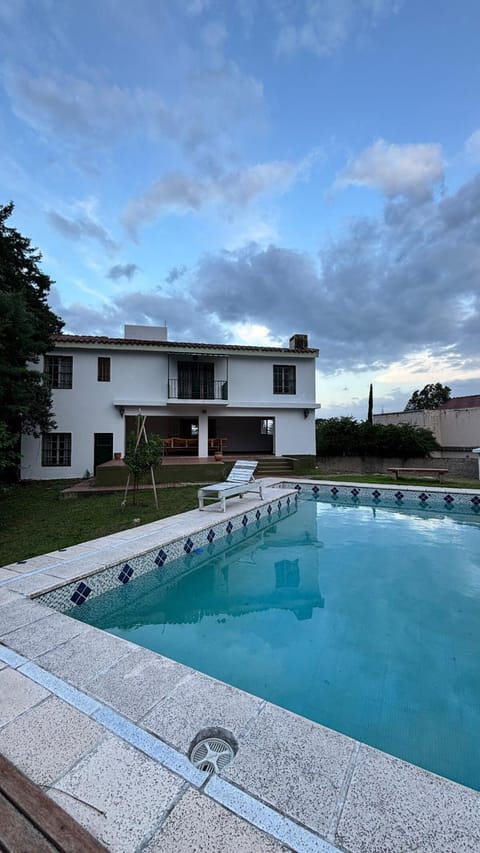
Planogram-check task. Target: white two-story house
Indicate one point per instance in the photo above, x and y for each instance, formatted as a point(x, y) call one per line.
point(197, 397)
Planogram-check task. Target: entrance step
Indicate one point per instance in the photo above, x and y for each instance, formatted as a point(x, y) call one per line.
point(274, 467)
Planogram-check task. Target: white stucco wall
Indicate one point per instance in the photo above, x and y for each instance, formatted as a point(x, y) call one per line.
point(140, 379)
point(250, 381)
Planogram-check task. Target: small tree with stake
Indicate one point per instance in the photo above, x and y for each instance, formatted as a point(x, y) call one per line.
point(143, 453)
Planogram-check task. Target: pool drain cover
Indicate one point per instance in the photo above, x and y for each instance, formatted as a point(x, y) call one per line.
point(212, 754)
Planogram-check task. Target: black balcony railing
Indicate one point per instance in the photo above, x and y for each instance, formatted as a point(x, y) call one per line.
point(204, 389)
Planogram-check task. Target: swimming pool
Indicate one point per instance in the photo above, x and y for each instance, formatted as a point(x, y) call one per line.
point(364, 619)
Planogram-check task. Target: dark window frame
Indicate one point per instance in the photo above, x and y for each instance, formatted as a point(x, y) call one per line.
point(104, 370)
point(59, 371)
point(57, 450)
point(284, 379)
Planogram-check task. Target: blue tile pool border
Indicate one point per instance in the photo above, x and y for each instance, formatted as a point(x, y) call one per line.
point(164, 559)
point(451, 501)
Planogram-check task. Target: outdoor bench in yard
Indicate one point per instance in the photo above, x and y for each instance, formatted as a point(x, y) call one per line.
point(439, 472)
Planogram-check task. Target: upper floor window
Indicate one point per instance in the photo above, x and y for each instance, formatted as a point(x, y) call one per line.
point(59, 370)
point(284, 379)
point(103, 369)
point(57, 449)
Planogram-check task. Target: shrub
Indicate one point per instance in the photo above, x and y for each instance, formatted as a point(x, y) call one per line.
point(348, 437)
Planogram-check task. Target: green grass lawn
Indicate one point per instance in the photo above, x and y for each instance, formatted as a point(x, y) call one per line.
point(35, 519)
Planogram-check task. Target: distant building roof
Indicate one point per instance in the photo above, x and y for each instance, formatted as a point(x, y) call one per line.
point(470, 402)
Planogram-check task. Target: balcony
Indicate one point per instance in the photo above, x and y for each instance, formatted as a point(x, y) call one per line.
point(204, 389)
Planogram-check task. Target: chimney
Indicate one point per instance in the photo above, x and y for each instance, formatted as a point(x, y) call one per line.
point(298, 342)
point(145, 333)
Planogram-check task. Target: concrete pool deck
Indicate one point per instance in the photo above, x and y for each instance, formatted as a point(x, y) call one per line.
point(105, 727)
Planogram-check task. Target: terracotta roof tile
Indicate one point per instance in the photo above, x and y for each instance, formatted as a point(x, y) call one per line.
point(94, 339)
point(468, 402)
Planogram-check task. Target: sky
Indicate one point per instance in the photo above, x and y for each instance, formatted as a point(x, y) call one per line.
point(243, 170)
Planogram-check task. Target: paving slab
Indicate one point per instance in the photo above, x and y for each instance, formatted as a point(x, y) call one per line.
point(49, 632)
point(79, 567)
point(118, 794)
point(34, 584)
point(199, 824)
point(19, 612)
point(137, 682)
point(296, 766)
point(8, 575)
point(82, 658)
point(17, 694)
point(201, 702)
point(392, 807)
point(7, 596)
point(45, 741)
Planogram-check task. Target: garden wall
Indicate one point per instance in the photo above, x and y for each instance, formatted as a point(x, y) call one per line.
point(457, 466)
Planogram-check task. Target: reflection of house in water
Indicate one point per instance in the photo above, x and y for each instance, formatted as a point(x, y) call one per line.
point(243, 580)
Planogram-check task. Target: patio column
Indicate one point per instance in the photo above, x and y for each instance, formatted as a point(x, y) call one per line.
point(203, 434)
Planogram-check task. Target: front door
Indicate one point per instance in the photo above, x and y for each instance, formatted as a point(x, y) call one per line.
point(103, 448)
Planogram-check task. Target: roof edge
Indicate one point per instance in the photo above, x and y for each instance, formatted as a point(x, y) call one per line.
point(103, 341)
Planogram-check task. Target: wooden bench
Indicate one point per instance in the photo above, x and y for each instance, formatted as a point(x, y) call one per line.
point(439, 472)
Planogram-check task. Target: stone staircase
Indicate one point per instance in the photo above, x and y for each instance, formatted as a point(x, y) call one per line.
point(277, 466)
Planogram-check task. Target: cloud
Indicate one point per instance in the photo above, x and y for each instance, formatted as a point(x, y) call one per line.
point(401, 289)
point(186, 320)
point(175, 273)
point(180, 194)
point(472, 147)
point(322, 27)
point(73, 107)
point(411, 171)
point(80, 228)
point(385, 289)
point(122, 271)
point(216, 100)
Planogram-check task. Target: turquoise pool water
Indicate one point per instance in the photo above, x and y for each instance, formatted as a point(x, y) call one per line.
point(363, 619)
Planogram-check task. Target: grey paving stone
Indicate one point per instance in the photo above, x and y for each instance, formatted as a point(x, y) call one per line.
point(7, 596)
point(392, 806)
point(199, 824)
point(17, 693)
point(32, 584)
point(293, 765)
point(47, 633)
point(200, 702)
point(82, 658)
point(5, 575)
point(117, 793)
point(137, 682)
point(80, 567)
point(47, 739)
point(18, 613)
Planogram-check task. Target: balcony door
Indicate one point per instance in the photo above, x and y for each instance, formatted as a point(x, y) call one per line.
point(195, 380)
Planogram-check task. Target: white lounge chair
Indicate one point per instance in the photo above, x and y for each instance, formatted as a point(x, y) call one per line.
point(239, 481)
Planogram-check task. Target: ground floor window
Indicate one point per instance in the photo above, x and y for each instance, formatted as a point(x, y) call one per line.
point(266, 426)
point(57, 449)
